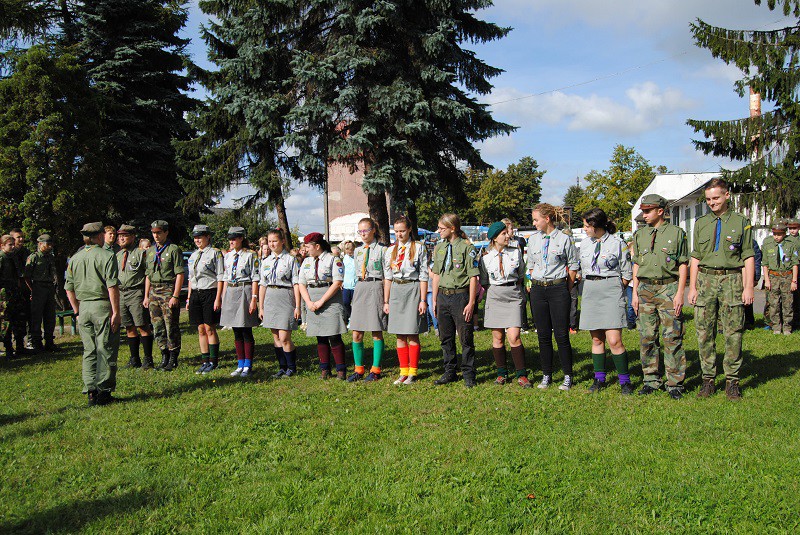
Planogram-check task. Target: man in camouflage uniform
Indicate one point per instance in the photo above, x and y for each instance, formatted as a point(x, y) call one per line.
point(721, 283)
point(660, 269)
point(162, 290)
point(780, 277)
point(10, 298)
point(41, 279)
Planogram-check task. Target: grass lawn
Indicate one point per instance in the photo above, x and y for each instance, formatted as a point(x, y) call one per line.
point(212, 454)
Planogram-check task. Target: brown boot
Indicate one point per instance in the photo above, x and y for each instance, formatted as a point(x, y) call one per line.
point(342, 376)
point(732, 390)
point(707, 389)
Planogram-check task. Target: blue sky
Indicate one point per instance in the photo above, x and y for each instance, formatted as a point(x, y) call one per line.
point(645, 77)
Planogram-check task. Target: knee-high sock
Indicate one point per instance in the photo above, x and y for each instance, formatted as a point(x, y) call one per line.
point(499, 354)
point(291, 359)
point(281, 356)
point(377, 353)
point(324, 353)
point(213, 353)
point(358, 356)
point(338, 356)
point(413, 359)
point(133, 345)
point(402, 357)
point(147, 345)
point(249, 352)
point(621, 364)
point(239, 352)
point(599, 362)
point(518, 355)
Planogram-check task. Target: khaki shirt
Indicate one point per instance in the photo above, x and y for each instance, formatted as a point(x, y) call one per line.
point(735, 244)
point(245, 269)
point(206, 268)
point(171, 264)
point(279, 270)
point(41, 267)
point(613, 258)
point(369, 261)
point(134, 273)
point(562, 255)
point(329, 269)
point(454, 262)
point(409, 268)
point(513, 266)
point(91, 272)
point(669, 251)
point(771, 257)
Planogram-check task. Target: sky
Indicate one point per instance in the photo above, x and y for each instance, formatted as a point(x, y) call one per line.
point(582, 76)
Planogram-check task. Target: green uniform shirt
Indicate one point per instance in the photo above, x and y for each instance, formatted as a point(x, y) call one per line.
point(8, 271)
point(41, 267)
point(91, 272)
point(171, 264)
point(662, 258)
point(771, 257)
point(455, 269)
point(735, 241)
point(132, 276)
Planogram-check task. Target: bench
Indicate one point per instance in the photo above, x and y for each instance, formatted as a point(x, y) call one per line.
point(60, 315)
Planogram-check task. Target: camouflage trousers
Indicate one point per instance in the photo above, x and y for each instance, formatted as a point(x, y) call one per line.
point(719, 297)
point(165, 320)
point(657, 310)
point(780, 301)
point(4, 324)
point(12, 319)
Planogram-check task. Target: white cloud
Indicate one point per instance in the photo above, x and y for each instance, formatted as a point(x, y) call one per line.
point(719, 71)
point(646, 108)
point(498, 147)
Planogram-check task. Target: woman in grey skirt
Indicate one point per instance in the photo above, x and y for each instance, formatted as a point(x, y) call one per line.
point(405, 271)
point(368, 298)
point(320, 284)
point(502, 272)
point(607, 269)
point(279, 300)
point(240, 298)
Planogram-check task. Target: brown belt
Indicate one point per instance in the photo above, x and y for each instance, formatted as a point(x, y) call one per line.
point(453, 291)
point(553, 282)
point(658, 282)
point(721, 271)
point(779, 273)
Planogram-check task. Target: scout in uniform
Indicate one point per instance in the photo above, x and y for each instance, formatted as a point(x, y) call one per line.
point(368, 298)
point(20, 255)
point(552, 264)
point(131, 264)
point(93, 291)
point(606, 267)
point(320, 280)
point(206, 276)
point(162, 290)
point(779, 265)
point(660, 269)
point(502, 271)
point(793, 226)
point(279, 300)
point(240, 298)
point(110, 239)
point(405, 272)
point(41, 279)
point(519, 242)
point(720, 284)
point(455, 289)
point(11, 318)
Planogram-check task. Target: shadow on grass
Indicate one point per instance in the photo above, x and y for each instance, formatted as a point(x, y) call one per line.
point(67, 350)
point(73, 516)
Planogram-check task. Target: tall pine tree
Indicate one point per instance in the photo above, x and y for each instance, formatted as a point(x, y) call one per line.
point(769, 143)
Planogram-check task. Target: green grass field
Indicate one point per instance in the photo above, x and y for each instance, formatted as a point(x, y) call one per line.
point(211, 454)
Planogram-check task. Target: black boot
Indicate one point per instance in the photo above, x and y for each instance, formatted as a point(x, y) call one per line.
point(164, 359)
point(147, 363)
point(173, 361)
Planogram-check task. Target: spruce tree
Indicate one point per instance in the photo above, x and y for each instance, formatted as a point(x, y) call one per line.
point(769, 143)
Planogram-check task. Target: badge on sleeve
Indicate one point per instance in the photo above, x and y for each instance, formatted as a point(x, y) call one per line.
point(340, 266)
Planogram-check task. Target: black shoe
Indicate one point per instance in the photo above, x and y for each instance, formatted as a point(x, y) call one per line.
point(647, 390)
point(92, 395)
point(104, 398)
point(147, 363)
point(597, 386)
point(675, 393)
point(134, 363)
point(444, 379)
point(51, 347)
point(172, 363)
point(626, 389)
point(469, 382)
point(355, 377)
point(164, 359)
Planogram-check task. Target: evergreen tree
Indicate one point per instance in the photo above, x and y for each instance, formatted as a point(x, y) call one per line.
point(769, 143)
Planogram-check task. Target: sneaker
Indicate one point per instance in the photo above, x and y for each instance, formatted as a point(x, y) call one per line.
point(732, 390)
point(766, 327)
point(707, 389)
point(278, 375)
point(202, 369)
point(401, 380)
point(597, 386)
point(288, 373)
point(524, 382)
point(501, 380)
point(675, 393)
point(626, 389)
point(567, 384)
point(410, 380)
point(372, 377)
point(546, 380)
point(355, 376)
point(236, 372)
point(647, 390)
point(445, 378)
point(245, 372)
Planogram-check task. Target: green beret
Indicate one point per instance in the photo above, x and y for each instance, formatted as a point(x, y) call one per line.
point(494, 229)
point(90, 229)
point(653, 201)
point(44, 238)
point(159, 223)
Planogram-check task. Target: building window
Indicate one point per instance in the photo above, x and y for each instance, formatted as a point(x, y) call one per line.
point(698, 210)
point(675, 215)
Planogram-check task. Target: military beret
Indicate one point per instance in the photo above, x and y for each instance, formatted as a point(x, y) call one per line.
point(90, 229)
point(494, 229)
point(314, 237)
point(236, 232)
point(160, 223)
point(200, 230)
point(126, 229)
point(44, 238)
point(653, 201)
point(780, 226)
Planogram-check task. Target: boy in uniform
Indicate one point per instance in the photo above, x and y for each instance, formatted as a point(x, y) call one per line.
point(135, 319)
point(779, 267)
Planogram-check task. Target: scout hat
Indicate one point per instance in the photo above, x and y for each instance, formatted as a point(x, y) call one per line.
point(779, 226)
point(90, 229)
point(126, 229)
point(314, 237)
point(494, 229)
point(159, 223)
point(44, 238)
point(793, 222)
point(6, 237)
point(200, 230)
point(236, 232)
point(653, 201)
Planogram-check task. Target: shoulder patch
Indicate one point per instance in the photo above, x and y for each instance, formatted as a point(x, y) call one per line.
point(473, 253)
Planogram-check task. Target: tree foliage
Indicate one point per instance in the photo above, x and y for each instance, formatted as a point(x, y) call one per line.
point(769, 143)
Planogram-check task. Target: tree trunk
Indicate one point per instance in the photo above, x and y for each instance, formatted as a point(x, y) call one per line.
point(380, 214)
point(278, 200)
point(412, 215)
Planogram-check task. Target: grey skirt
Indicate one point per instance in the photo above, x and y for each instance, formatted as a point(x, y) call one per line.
point(404, 316)
point(503, 307)
point(279, 307)
point(603, 305)
point(367, 307)
point(236, 305)
point(328, 320)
